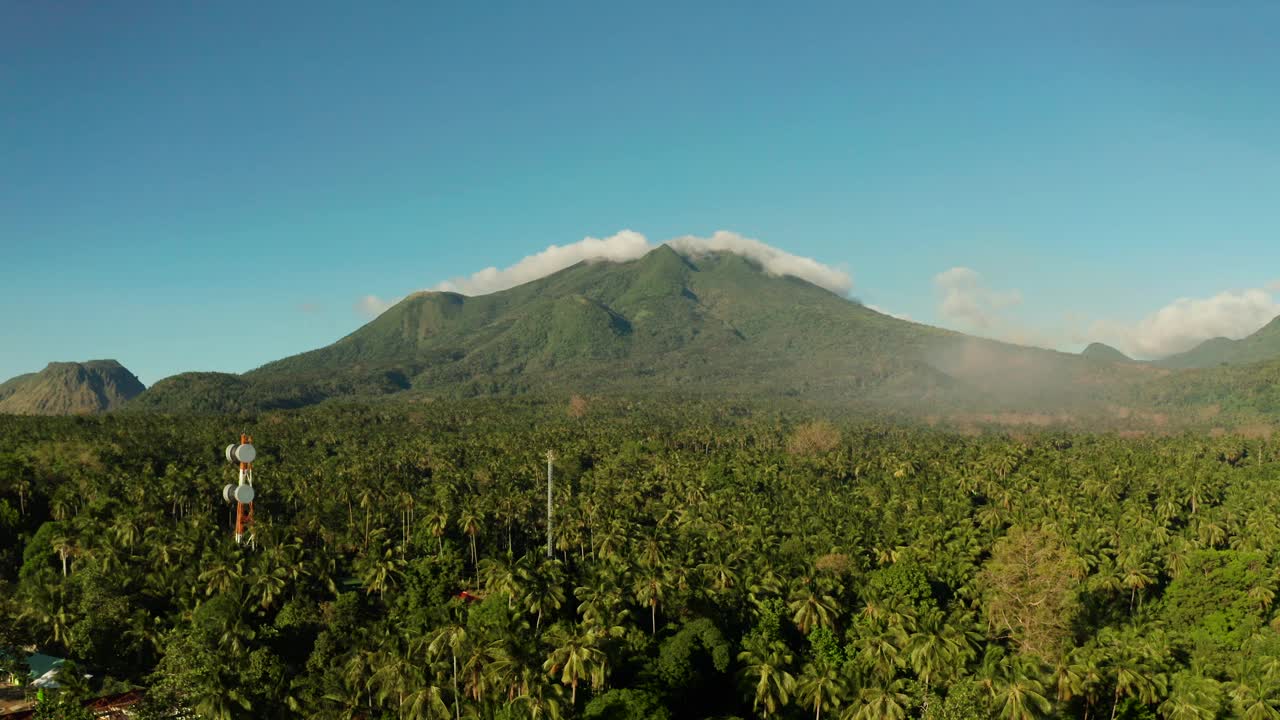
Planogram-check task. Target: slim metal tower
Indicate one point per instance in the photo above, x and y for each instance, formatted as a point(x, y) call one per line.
point(551, 456)
point(242, 454)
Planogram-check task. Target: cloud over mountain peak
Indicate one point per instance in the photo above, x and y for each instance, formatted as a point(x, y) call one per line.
point(629, 245)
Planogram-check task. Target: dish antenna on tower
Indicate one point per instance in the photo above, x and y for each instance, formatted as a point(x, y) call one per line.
point(242, 454)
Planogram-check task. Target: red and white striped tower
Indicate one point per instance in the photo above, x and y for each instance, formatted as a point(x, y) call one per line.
point(242, 454)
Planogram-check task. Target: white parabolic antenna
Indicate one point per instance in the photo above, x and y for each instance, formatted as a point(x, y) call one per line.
point(244, 493)
point(231, 449)
point(245, 453)
point(229, 493)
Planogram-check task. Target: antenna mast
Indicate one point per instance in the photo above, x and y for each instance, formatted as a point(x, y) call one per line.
point(551, 456)
point(243, 455)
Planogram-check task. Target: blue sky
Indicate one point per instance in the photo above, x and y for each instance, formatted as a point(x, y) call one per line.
point(210, 186)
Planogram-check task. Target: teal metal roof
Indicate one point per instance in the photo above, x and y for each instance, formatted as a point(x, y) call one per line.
point(41, 664)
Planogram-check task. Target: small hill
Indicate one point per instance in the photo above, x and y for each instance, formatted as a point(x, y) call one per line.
point(70, 388)
point(1104, 353)
point(1260, 346)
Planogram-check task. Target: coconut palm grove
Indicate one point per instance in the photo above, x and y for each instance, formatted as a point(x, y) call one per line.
point(706, 560)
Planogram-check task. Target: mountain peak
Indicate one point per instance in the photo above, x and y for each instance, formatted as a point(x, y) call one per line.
point(1104, 353)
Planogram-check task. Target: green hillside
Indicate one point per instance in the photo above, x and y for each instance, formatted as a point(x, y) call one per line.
point(70, 388)
point(1101, 352)
point(1260, 346)
point(713, 324)
point(1240, 390)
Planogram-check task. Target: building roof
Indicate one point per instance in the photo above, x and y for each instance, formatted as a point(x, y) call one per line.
point(42, 664)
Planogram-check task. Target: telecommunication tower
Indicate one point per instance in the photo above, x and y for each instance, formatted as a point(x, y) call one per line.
point(242, 454)
point(551, 457)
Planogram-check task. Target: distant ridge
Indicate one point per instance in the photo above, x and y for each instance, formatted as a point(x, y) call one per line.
point(70, 388)
point(1260, 346)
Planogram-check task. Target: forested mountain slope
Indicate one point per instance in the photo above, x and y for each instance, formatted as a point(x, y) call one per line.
point(713, 324)
point(1260, 346)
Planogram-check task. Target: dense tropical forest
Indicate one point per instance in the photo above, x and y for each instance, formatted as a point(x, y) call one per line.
point(708, 561)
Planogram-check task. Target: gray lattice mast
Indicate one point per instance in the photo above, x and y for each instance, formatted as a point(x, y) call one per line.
point(551, 456)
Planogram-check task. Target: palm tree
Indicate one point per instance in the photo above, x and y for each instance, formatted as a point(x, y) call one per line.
point(812, 609)
point(601, 608)
point(575, 657)
point(1192, 697)
point(438, 524)
point(771, 684)
point(933, 651)
point(454, 638)
point(470, 522)
point(425, 702)
point(268, 583)
point(820, 686)
point(541, 701)
point(1137, 576)
point(1021, 697)
point(543, 587)
point(382, 572)
point(499, 575)
point(720, 570)
point(879, 647)
point(222, 576)
point(1077, 674)
point(125, 530)
point(48, 608)
point(880, 701)
point(64, 546)
point(1251, 700)
point(1135, 657)
point(393, 676)
point(650, 588)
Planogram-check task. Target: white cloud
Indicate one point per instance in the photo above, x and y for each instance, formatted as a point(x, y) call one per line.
point(966, 299)
point(626, 245)
point(1186, 322)
point(882, 311)
point(773, 260)
point(629, 245)
point(373, 306)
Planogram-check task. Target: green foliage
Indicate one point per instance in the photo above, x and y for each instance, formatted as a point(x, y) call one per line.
point(622, 704)
point(824, 650)
point(964, 701)
point(1219, 601)
point(59, 707)
point(902, 584)
point(697, 649)
point(770, 614)
point(39, 561)
point(700, 567)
